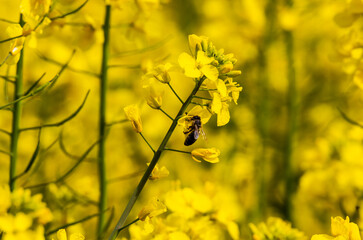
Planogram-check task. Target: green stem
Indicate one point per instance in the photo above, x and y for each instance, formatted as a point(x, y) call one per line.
point(152, 149)
point(291, 123)
point(172, 89)
point(263, 110)
point(128, 225)
point(103, 124)
point(176, 150)
point(153, 162)
point(166, 114)
point(18, 91)
point(204, 98)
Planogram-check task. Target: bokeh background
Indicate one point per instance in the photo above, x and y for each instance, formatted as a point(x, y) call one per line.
point(293, 146)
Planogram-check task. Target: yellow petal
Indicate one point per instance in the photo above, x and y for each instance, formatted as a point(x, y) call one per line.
point(76, 236)
point(132, 113)
point(203, 59)
point(223, 116)
point(195, 43)
point(153, 208)
point(221, 87)
point(188, 63)
point(216, 103)
point(203, 113)
point(211, 72)
point(207, 154)
point(61, 234)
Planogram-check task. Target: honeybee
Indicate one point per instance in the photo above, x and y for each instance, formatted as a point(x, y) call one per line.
point(193, 131)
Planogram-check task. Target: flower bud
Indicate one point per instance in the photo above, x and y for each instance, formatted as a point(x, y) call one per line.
point(225, 68)
point(132, 113)
point(207, 154)
point(153, 208)
point(234, 73)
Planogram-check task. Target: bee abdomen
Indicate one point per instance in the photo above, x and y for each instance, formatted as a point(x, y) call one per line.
point(189, 140)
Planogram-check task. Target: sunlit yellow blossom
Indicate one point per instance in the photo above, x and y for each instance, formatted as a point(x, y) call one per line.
point(341, 230)
point(341, 227)
point(288, 19)
point(198, 67)
point(195, 43)
point(5, 199)
point(153, 93)
point(275, 228)
point(207, 154)
point(161, 72)
point(153, 208)
point(132, 113)
point(158, 173)
point(34, 10)
point(203, 113)
point(62, 235)
point(17, 44)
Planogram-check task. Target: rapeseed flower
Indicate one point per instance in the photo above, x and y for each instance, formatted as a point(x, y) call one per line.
point(154, 208)
point(158, 173)
point(154, 92)
point(132, 114)
point(341, 230)
point(201, 66)
point(207, 154)
point(62, 235)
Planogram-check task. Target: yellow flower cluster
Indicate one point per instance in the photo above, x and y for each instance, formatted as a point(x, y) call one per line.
point(22, 216)
point(341, 230)
point(191, 215)
point(217, 69)
point(275, 228)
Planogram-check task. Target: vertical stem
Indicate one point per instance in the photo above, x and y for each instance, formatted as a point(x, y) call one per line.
point(291, 122)
point(102, 124)
point(263, 110)
point(153, 162)
point(18, 91)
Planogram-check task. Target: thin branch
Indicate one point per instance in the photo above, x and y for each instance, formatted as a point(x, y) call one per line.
point(349, 120)
point(128, 225)
point(64, 150)
point(172, 89)
point(135, 66)
point(6, 132)
point(70, 171)
point(39, 89)
point(5, 152)
point(116, 122)
point(125, 177)
point(9, 39)
point(195, 103)
point(142, 50)
point(71, 12)
point(57, 124)
point(43, 57)
point(73, 223)
point(84, 198)
point(152, 149)
point(32, 159)
point(175, 150)
point(166, 114)
point(204, 98)
point(34, 85)
point(8, 21)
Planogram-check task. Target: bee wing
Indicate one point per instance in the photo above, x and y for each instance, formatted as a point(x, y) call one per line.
point(196, 133)
point(203, 134)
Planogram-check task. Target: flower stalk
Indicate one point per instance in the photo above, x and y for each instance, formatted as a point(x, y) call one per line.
point(291, 121)
point(18, 91)
point(103, 124)
point(153, 162)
